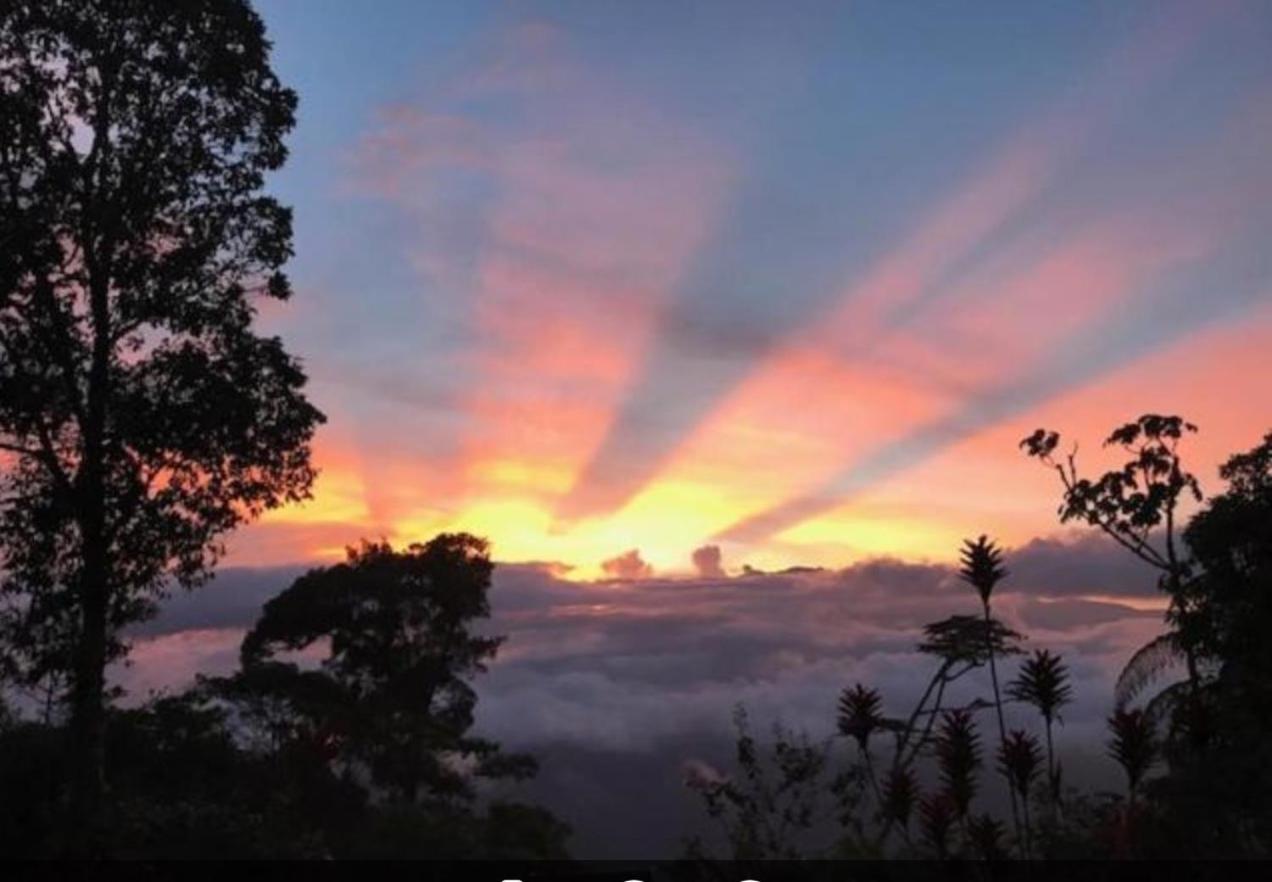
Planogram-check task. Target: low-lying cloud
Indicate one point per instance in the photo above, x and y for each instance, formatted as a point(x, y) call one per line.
point(634, 668)
point(627, 660)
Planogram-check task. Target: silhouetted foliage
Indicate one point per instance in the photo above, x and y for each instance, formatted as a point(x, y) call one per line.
point(366, 754)
point(1132, 745)
point(1130, 503)
point(936, 822)
point(899, 795)
point(987, 838)
point(1043, 681)
point(391, 697)
point(969, 640)
point(860, 714)
point(982, 568)
point(1019, 761)
point(140, 415)
point(1217, 795)
point(1144, 668)
point(768, 809)
point(1211, 728)
point(958, 757)
point(1196, 755)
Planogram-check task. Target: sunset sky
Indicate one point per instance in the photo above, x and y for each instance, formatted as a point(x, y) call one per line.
point(792, 279)
point(651, 293)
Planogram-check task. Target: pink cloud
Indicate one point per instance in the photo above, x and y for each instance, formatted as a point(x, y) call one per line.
point(593, 215)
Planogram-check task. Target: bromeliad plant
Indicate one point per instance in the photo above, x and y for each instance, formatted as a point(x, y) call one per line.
point(878, 799)
point(947, 734)
point(986, 836)
point(983, 569)
point(1019, 760)
point(958, 757)
point(1043, 682)
point(936, 821)
point(1212, 722)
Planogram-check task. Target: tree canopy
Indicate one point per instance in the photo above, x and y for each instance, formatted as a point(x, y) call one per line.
point(392, 694)
point(141, 415)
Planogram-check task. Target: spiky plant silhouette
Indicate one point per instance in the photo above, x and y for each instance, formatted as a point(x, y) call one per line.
point(958, 757)
point(1133, 746)
point(1020, 760)
point(982, 568)
point(1043, 682)
point(985, 835)
point(936, 820)
point(900, 792)
point(860, 714)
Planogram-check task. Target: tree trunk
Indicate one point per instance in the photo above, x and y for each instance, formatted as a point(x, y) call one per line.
point(88, 711)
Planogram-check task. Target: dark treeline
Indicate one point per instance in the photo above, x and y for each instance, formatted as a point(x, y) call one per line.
point(143, 418)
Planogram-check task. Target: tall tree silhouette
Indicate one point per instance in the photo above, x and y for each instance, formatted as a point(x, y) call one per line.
point(141, 417)
point(392, 696)
point(1219, 787)
point(1137, 507)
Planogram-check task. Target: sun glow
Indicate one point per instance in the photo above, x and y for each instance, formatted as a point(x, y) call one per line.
point(611, 282)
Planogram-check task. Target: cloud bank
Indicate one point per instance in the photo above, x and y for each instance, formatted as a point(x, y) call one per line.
point(615, 685)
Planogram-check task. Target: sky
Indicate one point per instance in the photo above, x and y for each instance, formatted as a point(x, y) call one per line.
point(790, 279)
point(723, 321)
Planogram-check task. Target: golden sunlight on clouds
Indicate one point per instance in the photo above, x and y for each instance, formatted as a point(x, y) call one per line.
point(884, 423)
point(979, 484)
point(859, 531)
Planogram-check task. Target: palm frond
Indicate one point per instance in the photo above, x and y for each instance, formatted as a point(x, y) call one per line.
point(1161, 709)
point(1133, 745)
point(1146, 666)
